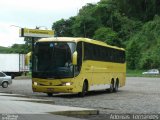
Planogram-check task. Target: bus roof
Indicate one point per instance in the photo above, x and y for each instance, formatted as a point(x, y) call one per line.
point(76, 39)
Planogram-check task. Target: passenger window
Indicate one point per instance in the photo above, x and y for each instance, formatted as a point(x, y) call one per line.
point(79, 57)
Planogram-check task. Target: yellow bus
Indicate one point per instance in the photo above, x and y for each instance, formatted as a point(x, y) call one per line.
point(76, 65)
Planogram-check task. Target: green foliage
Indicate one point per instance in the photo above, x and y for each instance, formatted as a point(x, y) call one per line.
point(148, 40)
point(133, 24)
point(143, 10)
point(107, 35)
point(4, 50)
point(63, 27)
point(105, 12)
point(18, 48)
point(127, 27)
point(86, 22)
point(135, 73)
point(133, 55)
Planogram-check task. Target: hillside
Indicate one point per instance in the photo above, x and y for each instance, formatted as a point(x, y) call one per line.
point(16, 48)
point(132, 24)
point(4, 49)
point(146, 46)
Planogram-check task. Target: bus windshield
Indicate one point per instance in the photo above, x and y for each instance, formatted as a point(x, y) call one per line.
point(53, 59)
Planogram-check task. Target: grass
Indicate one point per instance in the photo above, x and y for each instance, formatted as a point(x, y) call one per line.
point(138, 73)
point(23, 76)
point(134, 73)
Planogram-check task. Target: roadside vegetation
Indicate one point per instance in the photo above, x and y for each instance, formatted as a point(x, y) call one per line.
point(138, 73)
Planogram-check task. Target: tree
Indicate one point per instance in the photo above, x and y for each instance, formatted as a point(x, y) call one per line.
point(133, 55)
point(4, 49)
point(85, 23)
point(143, 10)
point(84, 26)
point(134, 24)
point(107, 35)
point(151, 58)
point(63, 27)
point(20, 48)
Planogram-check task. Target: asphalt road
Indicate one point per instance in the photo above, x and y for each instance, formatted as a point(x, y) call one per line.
point(139, 96)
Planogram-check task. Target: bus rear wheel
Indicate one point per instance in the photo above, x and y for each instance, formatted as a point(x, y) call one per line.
point(84, 90)
point(116, 86)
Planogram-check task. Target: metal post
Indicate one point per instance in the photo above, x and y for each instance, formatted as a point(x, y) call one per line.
point(33, 40)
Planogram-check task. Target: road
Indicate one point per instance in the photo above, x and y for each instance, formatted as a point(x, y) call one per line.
point(19, 107)
point(140, 95)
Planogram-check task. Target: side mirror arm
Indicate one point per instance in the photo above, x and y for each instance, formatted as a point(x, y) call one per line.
point(74, 58)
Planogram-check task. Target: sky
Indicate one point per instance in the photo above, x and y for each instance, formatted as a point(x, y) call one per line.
point(16, 14)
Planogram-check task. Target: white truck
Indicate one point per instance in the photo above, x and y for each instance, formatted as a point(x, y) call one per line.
point(13, 64)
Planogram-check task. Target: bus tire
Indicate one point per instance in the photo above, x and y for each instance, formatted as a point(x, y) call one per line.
point(50, 94)
point(116, 86)
point(84, 89)
point(111, 86)
point(5, 84)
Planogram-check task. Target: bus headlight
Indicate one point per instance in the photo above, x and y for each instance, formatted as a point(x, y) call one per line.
point(67, 84)
point(35, 83)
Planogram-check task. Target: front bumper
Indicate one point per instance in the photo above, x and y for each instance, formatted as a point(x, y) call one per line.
point(53, 89)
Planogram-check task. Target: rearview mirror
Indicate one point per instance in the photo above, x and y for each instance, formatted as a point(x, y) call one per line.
point(74, 58)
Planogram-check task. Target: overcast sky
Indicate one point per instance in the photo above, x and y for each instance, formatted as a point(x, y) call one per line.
point(32, 13)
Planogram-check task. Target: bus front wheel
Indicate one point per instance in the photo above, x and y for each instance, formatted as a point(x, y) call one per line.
point(84, 90)
point(111, 86)
point(50, 94)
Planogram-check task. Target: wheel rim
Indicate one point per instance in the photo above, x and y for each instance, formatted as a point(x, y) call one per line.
point(116, 87)
point(111, 86)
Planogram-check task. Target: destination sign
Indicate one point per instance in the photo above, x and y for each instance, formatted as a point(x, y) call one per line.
point(25, 32)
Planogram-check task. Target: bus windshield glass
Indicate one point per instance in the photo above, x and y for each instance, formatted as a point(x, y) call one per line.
point(53, 60)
